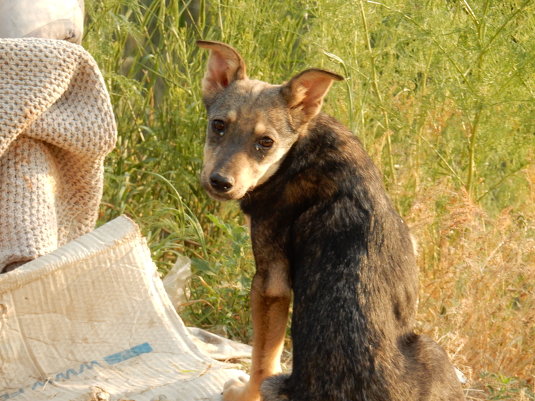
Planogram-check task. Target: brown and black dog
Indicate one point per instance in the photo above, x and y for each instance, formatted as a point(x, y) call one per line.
point(322, 227)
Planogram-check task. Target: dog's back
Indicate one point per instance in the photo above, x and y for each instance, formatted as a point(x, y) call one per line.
point(353, 276)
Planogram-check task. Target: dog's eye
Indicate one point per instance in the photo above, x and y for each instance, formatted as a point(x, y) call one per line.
point(218, 126)
point(265, 142)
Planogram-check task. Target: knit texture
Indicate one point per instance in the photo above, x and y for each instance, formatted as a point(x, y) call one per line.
point(56, 126)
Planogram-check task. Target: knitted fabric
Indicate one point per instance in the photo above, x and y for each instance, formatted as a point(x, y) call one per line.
point(56, 126)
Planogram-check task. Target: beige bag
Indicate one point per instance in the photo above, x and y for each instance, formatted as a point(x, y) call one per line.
point(92, 321)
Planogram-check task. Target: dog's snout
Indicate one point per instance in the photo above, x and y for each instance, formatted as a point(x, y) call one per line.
point(221, 183)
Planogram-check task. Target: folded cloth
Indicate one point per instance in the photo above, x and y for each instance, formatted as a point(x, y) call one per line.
point(56, 126)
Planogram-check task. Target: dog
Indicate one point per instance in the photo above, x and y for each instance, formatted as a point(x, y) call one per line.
point(323, 229)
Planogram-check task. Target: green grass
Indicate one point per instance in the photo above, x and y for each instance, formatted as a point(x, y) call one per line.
point(442, 93)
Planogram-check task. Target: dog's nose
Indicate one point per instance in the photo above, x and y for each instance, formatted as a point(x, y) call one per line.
point(220, 183)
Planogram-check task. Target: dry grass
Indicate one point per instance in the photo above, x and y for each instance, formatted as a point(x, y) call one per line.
point(477, 294)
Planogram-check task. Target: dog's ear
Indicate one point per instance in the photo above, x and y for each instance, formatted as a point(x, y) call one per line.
point(225, 65)
point(304, 93)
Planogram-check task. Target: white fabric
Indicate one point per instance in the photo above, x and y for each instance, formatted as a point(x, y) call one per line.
point(92, 321)
point(53, 19)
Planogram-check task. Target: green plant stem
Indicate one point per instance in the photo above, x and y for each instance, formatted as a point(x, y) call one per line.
point(375, 85)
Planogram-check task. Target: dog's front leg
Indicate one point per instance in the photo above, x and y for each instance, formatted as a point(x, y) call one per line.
point(270, 300)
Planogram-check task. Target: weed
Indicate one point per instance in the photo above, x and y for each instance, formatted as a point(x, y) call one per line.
point(442, 93)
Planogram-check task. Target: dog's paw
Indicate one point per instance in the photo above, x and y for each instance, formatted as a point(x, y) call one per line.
point(238, 389)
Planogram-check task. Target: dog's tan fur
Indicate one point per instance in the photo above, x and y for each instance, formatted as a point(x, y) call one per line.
point(252, 117)
point(270, 301)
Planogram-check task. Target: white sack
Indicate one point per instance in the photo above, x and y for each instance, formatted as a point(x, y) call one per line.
point(93, 317)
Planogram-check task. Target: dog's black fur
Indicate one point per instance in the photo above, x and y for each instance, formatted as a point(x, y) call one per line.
point(353, 276)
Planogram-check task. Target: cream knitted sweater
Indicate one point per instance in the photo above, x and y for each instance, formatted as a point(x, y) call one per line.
point(56, 126)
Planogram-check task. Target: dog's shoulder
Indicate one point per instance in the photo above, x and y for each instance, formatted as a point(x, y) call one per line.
point(334, 157)
point(327, 162)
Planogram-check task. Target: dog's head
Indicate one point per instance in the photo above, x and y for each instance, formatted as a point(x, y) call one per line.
point(252, 124)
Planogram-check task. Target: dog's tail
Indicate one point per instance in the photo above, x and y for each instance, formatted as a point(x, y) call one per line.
point(274, 388)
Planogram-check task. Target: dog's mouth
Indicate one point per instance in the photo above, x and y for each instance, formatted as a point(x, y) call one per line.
point(221, 197)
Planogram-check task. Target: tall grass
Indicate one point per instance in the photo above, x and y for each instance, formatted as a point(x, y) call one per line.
point(442, 93)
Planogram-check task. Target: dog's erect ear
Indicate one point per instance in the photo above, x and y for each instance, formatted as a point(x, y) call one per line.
point(225, 65)
point(304, 93)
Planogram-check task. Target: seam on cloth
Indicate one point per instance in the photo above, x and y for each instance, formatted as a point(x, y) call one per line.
point(22, 277)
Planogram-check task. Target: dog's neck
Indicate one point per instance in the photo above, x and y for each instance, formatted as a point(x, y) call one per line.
point(320, 159)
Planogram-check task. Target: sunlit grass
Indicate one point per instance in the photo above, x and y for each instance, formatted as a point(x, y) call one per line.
point(442, 93)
